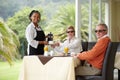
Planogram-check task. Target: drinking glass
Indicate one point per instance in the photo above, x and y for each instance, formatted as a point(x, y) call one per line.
point(66, 50)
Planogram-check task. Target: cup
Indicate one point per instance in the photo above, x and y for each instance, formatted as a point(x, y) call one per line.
point(46, 48)
point(66, 49)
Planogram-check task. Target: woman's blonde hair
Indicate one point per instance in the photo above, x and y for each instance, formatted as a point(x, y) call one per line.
point(70, 27)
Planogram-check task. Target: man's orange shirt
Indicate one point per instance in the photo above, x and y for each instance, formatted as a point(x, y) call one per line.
point(95, 56)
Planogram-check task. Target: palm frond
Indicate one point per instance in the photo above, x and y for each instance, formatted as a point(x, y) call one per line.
point(9, 43)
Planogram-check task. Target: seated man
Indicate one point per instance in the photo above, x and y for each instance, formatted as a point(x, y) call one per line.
point(73, 43)
point(94, 57)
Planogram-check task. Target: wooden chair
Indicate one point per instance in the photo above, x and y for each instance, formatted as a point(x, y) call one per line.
point(108, 65)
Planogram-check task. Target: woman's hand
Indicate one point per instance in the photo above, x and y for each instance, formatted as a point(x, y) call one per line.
point(54, 45)
point(57, 44)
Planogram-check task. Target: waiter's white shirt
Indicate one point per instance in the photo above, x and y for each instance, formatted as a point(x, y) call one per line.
point(30, 34)
point(74, 45)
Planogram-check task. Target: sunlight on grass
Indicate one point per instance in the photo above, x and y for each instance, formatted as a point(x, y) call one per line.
point(8, 72)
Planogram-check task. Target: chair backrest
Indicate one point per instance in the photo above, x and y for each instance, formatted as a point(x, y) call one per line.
point(118, 49)
point(90, 45)
point(108, 64)
point(85, 46)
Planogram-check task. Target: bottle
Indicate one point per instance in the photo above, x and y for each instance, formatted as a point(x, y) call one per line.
point(50, 38)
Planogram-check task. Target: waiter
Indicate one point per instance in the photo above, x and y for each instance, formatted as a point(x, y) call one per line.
point(35, 35)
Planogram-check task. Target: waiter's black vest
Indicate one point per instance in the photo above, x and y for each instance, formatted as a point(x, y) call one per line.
point(40, 48)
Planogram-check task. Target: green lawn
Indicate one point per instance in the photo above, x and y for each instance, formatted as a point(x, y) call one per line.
point(8, 72)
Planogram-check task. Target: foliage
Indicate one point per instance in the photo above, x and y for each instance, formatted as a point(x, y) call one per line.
point(64, 17)
point(23, 47)
point(7, 9)
point(9, 43)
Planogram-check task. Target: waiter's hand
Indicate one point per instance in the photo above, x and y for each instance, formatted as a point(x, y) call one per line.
point(43, 42)
point(46, 42)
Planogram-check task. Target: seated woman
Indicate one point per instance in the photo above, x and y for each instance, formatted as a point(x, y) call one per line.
point(73, 43)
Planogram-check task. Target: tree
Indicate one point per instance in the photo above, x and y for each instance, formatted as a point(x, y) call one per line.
point(64, 17)
point(9, 43)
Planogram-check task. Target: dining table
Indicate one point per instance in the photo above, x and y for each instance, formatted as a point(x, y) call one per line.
point(39, 67)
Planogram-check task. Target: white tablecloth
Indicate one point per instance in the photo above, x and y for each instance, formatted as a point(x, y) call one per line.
point(58, 68)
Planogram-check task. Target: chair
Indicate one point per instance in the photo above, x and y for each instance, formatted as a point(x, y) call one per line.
point(85, 46)
point(90, 45)
point(108, 65)
point(118, 49)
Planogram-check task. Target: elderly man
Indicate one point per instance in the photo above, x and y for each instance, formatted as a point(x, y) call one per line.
point(94, 57)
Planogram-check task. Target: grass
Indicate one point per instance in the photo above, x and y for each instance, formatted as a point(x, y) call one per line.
point(8, 72)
